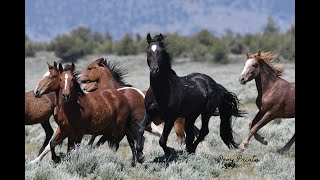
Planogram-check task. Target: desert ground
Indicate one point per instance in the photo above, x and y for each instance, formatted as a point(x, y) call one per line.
point(256, 162)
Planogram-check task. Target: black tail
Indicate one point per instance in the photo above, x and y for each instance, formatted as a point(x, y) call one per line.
point(229, 107)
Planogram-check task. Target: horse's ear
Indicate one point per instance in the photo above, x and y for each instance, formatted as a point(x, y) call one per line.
point(60, 68)
point(100, 61)
point(149, 38)
point(259, 53)
point(49, 66)
point(247, 55)
point(72, 67)
point(55, 64)
point(160, 37)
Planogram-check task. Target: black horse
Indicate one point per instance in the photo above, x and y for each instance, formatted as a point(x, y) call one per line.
point(171, 96)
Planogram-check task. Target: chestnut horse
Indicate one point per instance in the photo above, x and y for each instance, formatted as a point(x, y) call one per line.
point(103, 112)
point(39, 110)
point(276, 96)
point(110, 75)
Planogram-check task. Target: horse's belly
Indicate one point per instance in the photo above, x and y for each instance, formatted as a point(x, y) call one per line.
point(37, 114)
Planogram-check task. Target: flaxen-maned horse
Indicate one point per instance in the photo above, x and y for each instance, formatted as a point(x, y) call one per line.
point(276, 96)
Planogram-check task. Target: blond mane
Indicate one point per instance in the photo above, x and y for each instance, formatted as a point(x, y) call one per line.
point(269, 59)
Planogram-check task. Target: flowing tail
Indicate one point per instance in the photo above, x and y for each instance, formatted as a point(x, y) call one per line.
point(229, 107)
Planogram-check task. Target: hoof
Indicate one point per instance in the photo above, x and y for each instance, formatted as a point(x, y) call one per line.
point(34, 161)
point(191, 150)
point(133, 163)
point(264, 142)
point(57, 159)
point(140, 157)
point(242, 147)
point(282, 151)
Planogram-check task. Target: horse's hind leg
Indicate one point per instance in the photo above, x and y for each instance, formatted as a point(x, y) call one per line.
point(72, 141)
point(49, 132)
point(288, 145)
point(101, 141)
point(90, 143)
point(179, 128)
point(203, 131)
point(133, 150)
point(189, 124)
point(114, 146)
point(257, 136)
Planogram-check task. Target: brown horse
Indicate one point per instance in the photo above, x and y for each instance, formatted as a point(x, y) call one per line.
point(276, 96)
point(38, 109)
point(110, 75)
point(103, 112)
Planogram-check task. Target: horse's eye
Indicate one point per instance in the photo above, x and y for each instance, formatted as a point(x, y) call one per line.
point(255, 65)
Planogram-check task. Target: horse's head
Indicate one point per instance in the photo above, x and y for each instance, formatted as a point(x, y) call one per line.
point(157, 56)
point(49, 82)
point(93, 71)
point(251, 68)
point(67, 80)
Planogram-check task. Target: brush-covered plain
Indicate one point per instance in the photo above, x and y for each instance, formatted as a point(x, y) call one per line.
point(213, 160)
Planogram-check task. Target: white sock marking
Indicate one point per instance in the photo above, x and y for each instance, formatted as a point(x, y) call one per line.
point(40, 157)
point(154, 47)
point(156, 130)
point(65, 81)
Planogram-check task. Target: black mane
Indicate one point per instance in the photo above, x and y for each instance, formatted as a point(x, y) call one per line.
point(118, 72)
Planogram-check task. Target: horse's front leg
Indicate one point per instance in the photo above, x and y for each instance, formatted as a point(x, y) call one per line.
point(140, 139)
point(49, 132)
point(58, 138)
point(72, 141)
point(58, 135)
point(257, 136)
point(164, 137)
point(267, 117)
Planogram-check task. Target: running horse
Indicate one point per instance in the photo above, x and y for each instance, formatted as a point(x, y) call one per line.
point(105, 74)
point(276, 96)
point(102, 112)
point(38, 109)
point(171, 96)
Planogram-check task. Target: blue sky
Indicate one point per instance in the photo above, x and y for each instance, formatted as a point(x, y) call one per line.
point(46, 19)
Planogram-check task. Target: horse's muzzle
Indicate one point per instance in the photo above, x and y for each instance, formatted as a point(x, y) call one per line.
point(65, 97)
point(242, 81)
point(37, 93)
point(154, 71)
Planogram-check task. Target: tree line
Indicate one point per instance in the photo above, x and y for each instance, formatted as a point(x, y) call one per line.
point(202, 46)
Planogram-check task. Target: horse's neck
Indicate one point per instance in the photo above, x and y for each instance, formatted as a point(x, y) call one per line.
point(57, 97)
point(264, 82)
point(106, 81)
point(70, 105)
point(161, 85)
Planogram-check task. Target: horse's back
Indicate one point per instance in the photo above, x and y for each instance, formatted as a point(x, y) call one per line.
point(193, 92)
